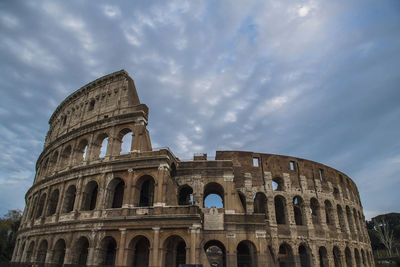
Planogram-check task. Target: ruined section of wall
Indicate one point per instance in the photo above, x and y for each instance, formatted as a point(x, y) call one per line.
point(102, 196)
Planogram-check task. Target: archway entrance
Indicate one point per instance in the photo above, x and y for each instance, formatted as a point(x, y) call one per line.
point(246, 254)
point(140, 251)
point(216, 253)
point(175, 251)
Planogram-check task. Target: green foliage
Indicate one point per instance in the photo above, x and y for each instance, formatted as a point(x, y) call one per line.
point(9, 225)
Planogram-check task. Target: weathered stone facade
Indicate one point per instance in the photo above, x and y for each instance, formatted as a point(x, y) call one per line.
point(94, 203)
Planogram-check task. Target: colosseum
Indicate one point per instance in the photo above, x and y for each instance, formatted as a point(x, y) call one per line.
point(103, 197)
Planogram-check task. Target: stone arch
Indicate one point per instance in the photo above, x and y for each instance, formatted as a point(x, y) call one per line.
point(298, 210)
point(89, 198)
point(337, 257)
point(246, 254)
point(81, 151)
point(21, 251)
point(305, 255)
point(100, 146)
point(213, 188)
point(139, 252)
point(107, 252)
point(174, 251)
point(115, 193)
point(125, 137)
point(356, 221)
point(347, 253)
point(29, 252)
point(80, 251)
point(145, 191)
point(53, 202)
point(59, 252)
point(40, 208)
point(285, 255)
point(315, 211)
point(185, 195)
point(260, 204)
point(336, 193)
point(42, 251)
point(323, 257)
point(69, 199)
point(278, 184)
point(215, 252)
point(44, 167)
point(32, 207)
point(280, 210)
point(357, 257)
point(242, 199)
point(329, 215)
point(65, 156)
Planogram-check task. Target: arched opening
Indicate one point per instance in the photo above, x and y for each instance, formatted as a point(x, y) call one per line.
point(175, 251)
point(298, 210)
point(357, 257)
point(44, 167)
point(29, 252)
point(336, 193)
point(349, 219)
point(89, 197)
point(278, 184)
point(280, 210)
point(242, 198)
point(347, 253)
point(146, 187)
point(305, 256)
point(53, 162)
point(32, 208)
point(315, 211)
point(213, 195)
point(21, 252)
point(125, 136)
point(342, 222)
point(185, 196)
point(81, 251)
point(356, 221)
point(337, 257)
point(285, 256)
point(65, 155)
point(172, 171)
point(115, 193)
point(53, 202)
point(41, 205)
point(139, 252)
point(42, 251)
point(100, 146)
point(323, 257)
point(81, 151)
point(107, 253)
point(59, 252)
point(69, 199)
point(246, 254)
point(91, 105)
point(216, 253)
point(363, 258)
point(329, 215)
point(260, 204)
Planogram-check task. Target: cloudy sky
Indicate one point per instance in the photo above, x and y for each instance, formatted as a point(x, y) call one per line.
point(313, 79)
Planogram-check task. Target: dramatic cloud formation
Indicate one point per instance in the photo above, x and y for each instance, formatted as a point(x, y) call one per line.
point(313, 79)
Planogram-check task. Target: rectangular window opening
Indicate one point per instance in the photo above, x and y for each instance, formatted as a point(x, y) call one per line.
point(255, 162)
point(291, 164)
point(321, 174)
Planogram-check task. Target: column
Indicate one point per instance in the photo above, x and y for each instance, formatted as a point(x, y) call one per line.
point(155, 248)
point(121, 248)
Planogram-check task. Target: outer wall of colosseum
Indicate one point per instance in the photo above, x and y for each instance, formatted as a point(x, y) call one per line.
point(103, 196)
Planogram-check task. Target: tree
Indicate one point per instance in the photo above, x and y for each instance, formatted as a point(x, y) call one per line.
point(9, 225)
point(385, 234)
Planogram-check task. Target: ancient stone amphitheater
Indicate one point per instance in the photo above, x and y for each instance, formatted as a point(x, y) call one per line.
point(103, 197)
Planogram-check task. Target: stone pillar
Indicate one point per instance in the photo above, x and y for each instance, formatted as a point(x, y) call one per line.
point(162, 173)
point(228, 188)
point(155, 248)
point(194, 233)
point(121, 248)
